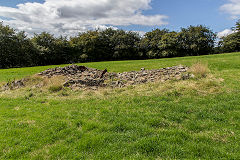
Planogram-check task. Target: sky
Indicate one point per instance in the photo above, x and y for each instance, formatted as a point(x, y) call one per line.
point(68, 17)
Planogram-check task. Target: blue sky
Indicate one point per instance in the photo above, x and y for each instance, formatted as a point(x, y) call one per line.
point(183, 13)
point(219, 15)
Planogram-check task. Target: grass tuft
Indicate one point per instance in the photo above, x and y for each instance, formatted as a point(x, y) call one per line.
point(29, 95)
point(55, 88)
point(199, 70)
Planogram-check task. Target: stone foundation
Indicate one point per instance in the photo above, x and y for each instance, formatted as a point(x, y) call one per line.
point(83, 77)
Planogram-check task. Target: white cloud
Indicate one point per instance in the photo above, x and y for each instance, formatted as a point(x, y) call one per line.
point(71, 16)
point(103, 27)
point(224, 33)
point(141, 33)
point(232, 8)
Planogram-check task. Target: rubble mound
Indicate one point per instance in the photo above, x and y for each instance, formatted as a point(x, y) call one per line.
point(82, 77)
point(14, 84)
point(77, 77)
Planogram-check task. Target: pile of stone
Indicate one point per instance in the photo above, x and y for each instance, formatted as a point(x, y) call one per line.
point(16, 84)
point(84, 77)
point(65, 71)
point(77, 76)
point(145, 76)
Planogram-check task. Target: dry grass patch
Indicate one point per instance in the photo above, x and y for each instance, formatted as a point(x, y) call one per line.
point(36, 86)
point(55, 80)
point(203, 86)
point(1, 84)
point(199, 70)
point(53, 84)
point(55, 88)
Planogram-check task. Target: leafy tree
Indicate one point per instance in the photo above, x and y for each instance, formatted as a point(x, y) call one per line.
point(52, 50)
point(196, 40)
point(169, 45)
point(108, 44)
point(45, 44)
point(16, 50)
point(237, 26)
point(90, 44)
point(63, 51)
point(231, 43)
point(125, 45)
point(26, 51)
point(106, 37)
point(150, 43)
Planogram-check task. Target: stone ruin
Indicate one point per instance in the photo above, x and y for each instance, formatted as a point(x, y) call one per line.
point(16, 84)
point(83, 77)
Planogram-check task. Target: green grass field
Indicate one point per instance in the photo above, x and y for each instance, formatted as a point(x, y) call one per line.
point(192, 119)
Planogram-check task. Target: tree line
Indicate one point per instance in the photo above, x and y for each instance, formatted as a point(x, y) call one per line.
point(230, 43)
point(18, 50)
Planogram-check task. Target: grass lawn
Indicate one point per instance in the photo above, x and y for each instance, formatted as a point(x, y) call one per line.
point(192, 119)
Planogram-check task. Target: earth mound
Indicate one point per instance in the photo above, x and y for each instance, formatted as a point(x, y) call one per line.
point(83, 77)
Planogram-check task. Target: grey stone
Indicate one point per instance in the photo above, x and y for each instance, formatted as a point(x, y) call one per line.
point(83, 77)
